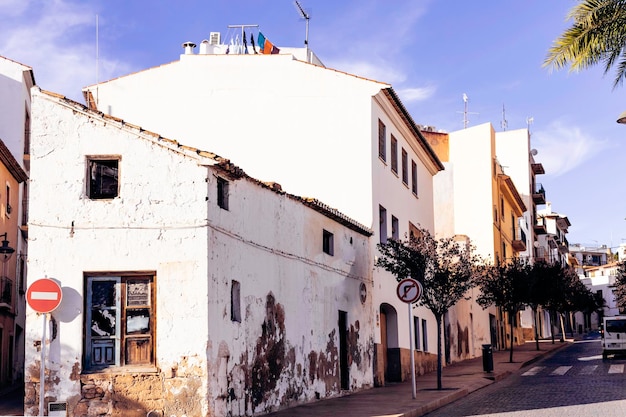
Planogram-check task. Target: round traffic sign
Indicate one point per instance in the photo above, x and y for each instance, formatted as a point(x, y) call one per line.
point(409, 290)
point(44, 295)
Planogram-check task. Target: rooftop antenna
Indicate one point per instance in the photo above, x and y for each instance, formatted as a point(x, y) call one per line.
point(306, 17)
point(504, 123)
point(97, 59)
point(529, 121)
point(465, 112)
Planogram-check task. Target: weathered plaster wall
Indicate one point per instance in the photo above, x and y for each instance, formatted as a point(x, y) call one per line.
point(286, 348)
point(156, 224)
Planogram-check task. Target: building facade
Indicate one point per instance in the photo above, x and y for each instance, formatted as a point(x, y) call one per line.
point(189, 288)
point(16, 81)
point(317, 131)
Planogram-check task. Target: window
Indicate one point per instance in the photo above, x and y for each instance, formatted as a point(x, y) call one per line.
point(382, 218)
point(394, 154)
point(235, 301)
point(424, 334)
point(102, 178)
point(120, 321)
point(414, 177)
point(222, 193)
point(414, 232)
point(405, 167)
point(382, 139)
point(328, 243)
point(395, 233)
point(416, 331)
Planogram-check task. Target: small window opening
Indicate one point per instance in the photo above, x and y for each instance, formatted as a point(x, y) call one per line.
point(328, 243)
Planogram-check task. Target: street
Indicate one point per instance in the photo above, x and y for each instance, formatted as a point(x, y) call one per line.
point(572, 382)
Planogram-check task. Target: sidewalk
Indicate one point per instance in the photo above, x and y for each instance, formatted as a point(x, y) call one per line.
point(395, 400)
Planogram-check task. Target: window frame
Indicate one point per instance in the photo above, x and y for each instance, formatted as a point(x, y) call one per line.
point(395, 228)
point(382, 141)
point(414, 177)
point(328, 242)
point(394, 154)
point(223, 186)
point(405, 167)
point(382, 220)
point(122, 335)
point(235, 301)
point(101, 160)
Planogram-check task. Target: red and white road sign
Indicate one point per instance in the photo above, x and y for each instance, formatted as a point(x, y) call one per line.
point(44, 295)
point(409, 290)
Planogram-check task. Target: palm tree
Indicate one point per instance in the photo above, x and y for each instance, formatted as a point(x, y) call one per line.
point(597, 35)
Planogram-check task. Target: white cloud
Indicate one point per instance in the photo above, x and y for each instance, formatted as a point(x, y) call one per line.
point(564, 147)
point(410, 95)
point(58, 40)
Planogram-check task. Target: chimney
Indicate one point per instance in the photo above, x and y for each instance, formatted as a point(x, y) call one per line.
point(189, 47)
point(204, 47)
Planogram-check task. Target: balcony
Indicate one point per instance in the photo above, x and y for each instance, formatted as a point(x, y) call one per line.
point(537, 169)
point(6, 293)
point(540, 226)
point(519, 242)
point(539, 194)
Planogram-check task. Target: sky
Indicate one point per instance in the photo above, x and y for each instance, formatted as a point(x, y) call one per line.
point(433, 52)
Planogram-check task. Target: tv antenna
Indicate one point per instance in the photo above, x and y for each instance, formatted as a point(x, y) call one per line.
point(306, 17)
point(529, 121)
point(504, 124)
point(465, 112)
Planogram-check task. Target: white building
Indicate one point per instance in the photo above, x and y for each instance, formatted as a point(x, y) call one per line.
point(188, 287)
point(16, 81)
point(345, 139)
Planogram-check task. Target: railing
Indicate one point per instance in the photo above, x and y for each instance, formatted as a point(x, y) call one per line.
point(539, 194)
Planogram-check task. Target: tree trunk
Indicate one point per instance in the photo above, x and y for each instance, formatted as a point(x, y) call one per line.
point(562, 328)
point(552, 318)
point(535, 324)
point(511, 341)
point(438, 318)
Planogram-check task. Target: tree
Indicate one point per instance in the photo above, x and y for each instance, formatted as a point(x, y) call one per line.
point(597, 35)
point(445, 267)
point(507, 286)
point(619, 289)
point(539, 289)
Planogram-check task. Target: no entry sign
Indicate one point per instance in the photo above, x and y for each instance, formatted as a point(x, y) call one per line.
point(44, 295)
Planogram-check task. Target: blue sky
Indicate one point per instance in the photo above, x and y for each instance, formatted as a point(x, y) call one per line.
point(432, 52)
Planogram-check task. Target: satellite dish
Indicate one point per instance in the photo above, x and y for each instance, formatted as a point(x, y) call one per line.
point(533, 152)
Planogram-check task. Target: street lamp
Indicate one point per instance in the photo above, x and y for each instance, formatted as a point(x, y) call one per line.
point(5, 249)
point(622, 118)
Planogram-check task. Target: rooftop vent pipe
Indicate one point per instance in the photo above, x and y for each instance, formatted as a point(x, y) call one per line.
point(189, 46)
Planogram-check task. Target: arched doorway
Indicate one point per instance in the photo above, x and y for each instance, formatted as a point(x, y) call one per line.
point(390, 346)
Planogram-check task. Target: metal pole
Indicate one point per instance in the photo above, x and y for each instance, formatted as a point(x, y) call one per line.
point(42, 368)
point(412, 353)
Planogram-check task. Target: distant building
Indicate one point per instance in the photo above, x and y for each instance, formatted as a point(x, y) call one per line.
point(475, 198)
point(16, 81)
point(189, 287)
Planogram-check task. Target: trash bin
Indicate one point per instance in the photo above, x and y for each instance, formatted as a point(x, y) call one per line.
point(487, 358)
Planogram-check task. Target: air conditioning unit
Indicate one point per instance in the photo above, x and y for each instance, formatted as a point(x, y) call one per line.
point(215, 38)
point(57, 409)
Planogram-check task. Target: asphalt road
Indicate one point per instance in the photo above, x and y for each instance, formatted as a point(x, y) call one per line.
point(573, 382)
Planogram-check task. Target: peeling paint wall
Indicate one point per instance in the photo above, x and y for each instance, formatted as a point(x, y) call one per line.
point(285, 350)
point(285, 347)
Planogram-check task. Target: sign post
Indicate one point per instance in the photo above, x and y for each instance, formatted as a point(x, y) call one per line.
point(43, 296)
point(409, 291)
